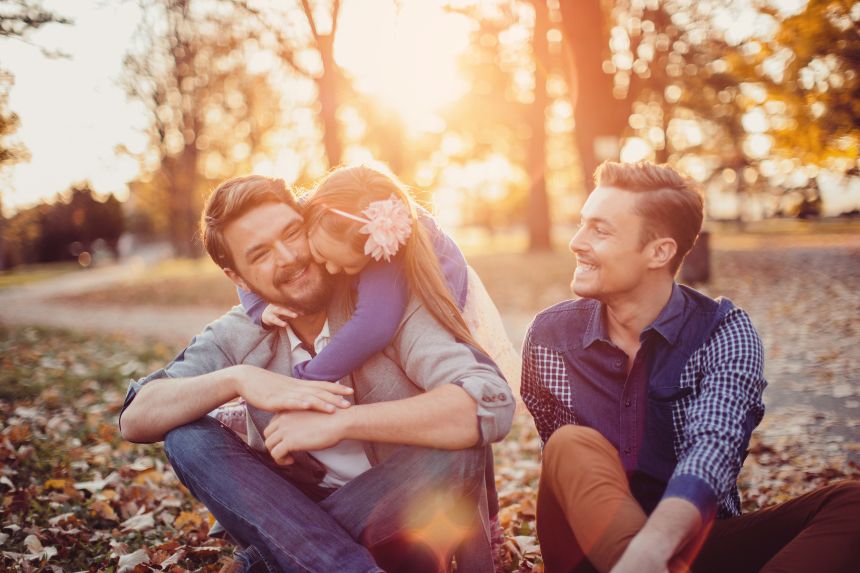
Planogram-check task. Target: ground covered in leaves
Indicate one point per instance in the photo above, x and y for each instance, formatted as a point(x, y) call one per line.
point(77, 497)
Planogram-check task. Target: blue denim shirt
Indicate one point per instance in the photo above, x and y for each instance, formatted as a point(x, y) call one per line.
point(681, 419)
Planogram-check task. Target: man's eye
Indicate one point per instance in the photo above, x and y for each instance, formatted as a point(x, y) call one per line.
point(259, 256)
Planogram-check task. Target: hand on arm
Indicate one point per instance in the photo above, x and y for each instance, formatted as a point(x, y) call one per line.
point(275, 392)
point(443, 418)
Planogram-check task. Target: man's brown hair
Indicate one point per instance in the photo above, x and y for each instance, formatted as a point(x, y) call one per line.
point(232, 199)
point(669, 202)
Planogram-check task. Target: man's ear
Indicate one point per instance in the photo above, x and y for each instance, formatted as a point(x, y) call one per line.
point(661, 252)
point(236, 278)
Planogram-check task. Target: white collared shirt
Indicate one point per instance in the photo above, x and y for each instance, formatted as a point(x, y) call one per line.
point(346, 460)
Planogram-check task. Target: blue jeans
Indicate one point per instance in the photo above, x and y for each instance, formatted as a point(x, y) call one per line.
point(376, 520)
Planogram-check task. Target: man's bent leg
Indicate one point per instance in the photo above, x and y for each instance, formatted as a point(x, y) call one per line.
point(257, 505)
point(414, 509)
point(818, 531)
point(585, 508)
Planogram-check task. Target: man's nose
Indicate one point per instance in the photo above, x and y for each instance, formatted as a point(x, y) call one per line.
point(283, 254)
point(577, 242)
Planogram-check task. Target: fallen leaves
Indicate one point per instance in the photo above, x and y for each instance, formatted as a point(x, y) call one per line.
point(69, 482)
point(75, 495)
point(187, 520)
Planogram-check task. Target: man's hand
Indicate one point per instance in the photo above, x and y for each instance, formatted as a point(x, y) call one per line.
point(302, 431)
point(642, 556)
point(275, 392)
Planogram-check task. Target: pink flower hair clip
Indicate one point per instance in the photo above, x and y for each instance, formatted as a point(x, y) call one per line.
point(388, 223)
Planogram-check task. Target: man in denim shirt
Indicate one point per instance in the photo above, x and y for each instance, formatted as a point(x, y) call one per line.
point(393, 478)
point(645, 394)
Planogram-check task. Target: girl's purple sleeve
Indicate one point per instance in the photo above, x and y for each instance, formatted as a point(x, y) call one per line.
point(382, 296)
point(253, 304)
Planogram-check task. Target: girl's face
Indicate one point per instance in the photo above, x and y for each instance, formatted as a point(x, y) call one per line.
point(337, 256)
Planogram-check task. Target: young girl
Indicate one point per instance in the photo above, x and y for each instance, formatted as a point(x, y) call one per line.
point(363, 221)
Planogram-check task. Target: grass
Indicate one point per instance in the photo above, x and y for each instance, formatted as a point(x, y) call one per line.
point(28, 274)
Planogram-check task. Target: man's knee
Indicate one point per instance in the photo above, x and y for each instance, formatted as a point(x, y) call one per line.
point(571, 443)
point(466, 465)
point(191, 440)
point(847, 491)
point(845, 496)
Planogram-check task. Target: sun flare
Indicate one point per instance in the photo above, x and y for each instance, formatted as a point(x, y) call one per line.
point(409, 61)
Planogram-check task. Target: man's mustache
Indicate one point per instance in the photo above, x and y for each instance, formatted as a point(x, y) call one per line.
point(285, 274)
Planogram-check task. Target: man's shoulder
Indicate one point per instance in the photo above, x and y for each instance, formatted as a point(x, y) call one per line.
point(561, 325)
point(712, 316)
point(235, 333)
point(701, 303)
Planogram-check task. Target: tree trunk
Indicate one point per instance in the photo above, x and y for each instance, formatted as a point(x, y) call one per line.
point(538, 203)
point(186, 206)
point(600, 118)
point(2, 238)
point(184, 176)
point(327, 85)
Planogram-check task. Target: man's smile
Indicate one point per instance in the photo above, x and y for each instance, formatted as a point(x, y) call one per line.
point(583, 267)
point(295, 276)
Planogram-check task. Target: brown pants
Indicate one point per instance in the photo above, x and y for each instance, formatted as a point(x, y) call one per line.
point(586, 517)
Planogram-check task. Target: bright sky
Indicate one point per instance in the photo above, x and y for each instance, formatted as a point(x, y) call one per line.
point(74, 113)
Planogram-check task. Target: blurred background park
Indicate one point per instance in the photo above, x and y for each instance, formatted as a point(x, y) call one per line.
point(117, 117)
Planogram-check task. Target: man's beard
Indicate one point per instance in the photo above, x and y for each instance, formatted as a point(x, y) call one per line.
point(313, 300)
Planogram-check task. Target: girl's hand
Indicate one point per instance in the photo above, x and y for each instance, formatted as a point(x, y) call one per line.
point(275, 315)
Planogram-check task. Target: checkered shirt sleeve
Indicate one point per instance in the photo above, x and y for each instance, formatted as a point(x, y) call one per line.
point(545, 388)
point(711, 427)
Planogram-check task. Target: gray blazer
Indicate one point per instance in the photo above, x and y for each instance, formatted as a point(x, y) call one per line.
point(421, 356)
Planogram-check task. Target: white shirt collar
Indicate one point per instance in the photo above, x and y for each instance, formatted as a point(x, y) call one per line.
point(319, 343)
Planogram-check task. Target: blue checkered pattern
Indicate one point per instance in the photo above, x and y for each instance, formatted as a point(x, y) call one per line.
point(727, 378)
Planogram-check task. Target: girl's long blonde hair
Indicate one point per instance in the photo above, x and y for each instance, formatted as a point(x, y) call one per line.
point(352, 189)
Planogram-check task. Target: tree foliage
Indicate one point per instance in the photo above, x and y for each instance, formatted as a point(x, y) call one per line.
point(11, 151)
point(812, 69)
point(208, 114)
point(63, 230)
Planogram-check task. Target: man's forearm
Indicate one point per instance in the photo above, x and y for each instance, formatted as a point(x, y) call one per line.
point(444, 418)
point(167, 403)
point(671, 527)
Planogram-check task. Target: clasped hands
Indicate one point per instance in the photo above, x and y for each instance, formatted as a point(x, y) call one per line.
point(306, 416)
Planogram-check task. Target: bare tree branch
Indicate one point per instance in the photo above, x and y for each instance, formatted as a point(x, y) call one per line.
point(285, 50)
point(335, 12)
point(310, 16)
point(22, 17)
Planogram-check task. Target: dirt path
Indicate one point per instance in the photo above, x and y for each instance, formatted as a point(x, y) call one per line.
point(34, 304)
